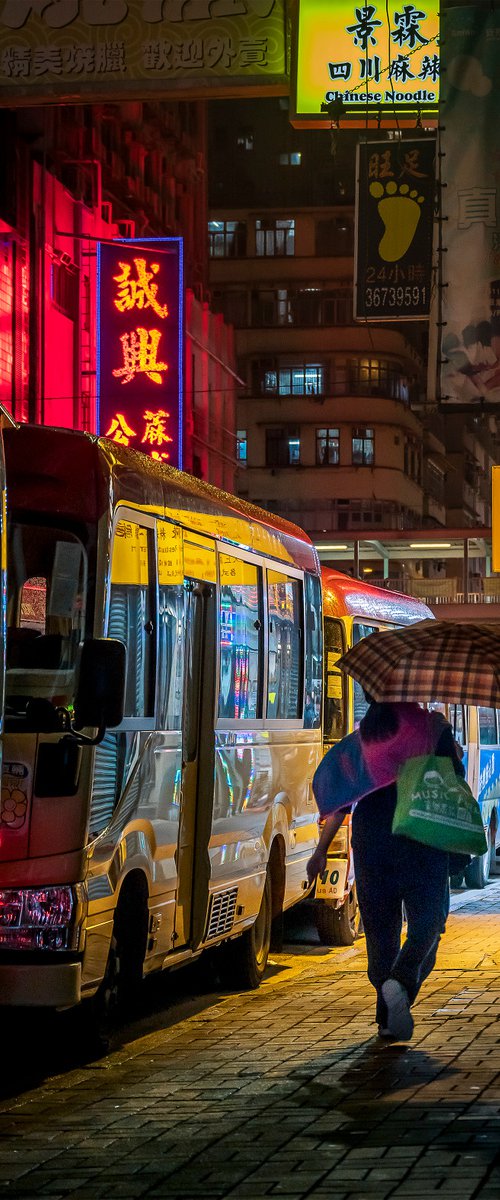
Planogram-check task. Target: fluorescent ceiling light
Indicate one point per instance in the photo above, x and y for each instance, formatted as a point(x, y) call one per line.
point(430, 545)
point(320, 546)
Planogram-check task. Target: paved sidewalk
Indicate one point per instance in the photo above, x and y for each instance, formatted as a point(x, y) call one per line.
point(283, 1092)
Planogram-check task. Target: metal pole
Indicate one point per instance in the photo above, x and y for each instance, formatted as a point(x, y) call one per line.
point(466, 571)
point(356, 558)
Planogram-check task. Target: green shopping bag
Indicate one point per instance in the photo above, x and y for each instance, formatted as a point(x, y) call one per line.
point(436, 807)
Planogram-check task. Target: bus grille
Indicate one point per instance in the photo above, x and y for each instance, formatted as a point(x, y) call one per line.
point(221, 913)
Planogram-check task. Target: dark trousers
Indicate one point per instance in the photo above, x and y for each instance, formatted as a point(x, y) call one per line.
point(392, 871)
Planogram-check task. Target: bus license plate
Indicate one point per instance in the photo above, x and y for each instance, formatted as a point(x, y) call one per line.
point(331, 884)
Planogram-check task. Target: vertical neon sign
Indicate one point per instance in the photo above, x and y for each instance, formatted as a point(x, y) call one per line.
point(140, 315)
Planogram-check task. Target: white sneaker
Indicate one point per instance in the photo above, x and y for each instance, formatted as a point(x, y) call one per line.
point(399, 1018)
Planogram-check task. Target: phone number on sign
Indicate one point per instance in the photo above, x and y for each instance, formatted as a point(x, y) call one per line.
point(395, 297)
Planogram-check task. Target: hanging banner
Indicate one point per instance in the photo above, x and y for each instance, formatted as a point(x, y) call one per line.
point(470, 298)
point(365, 65)
point(91, 50)
point(140, 345)
point(394, 224)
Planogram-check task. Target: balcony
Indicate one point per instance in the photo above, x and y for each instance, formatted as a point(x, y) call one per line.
point(448, 569)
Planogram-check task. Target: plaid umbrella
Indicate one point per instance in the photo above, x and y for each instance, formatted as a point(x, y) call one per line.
point(454, 662)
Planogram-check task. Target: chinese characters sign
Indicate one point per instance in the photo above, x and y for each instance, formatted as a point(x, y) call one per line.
point(394, 224)
point(140, 346)
point(367, 65)
point(470, 298)
point(72, 49)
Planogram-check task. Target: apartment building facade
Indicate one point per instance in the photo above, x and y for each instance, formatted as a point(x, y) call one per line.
point(333, 427)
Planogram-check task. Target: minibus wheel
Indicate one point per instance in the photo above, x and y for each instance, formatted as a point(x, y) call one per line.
point(338, 926)
point(477, 872)
point(243, 960)
point(118, 993)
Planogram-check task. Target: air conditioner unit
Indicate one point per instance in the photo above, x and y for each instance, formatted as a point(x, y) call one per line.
point(61, 257)
point(107, 211)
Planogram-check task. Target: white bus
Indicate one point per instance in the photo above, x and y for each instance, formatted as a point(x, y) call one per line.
point(155, 807)
point(477, 730)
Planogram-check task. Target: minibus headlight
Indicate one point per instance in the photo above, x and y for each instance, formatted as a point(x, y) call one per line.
point(40, 918)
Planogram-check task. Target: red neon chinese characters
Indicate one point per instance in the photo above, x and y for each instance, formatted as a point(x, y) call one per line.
point(119, 431)
point(155, 432)
point(139, 356)
point(140, 292)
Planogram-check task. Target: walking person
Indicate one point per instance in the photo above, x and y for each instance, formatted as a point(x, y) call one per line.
point(390, 870)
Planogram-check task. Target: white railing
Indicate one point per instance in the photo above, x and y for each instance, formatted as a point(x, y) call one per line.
point(446, 591)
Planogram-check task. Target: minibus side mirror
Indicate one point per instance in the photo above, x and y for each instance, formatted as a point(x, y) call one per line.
point(100, 692)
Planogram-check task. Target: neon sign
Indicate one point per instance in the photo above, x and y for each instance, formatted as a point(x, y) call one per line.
point(140, 345)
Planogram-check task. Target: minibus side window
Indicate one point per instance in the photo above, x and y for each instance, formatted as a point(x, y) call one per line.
point(314, 664)
point(334, 708)
point(240, 634)
point(285, 666)
point(360, 630)
point(132, 613)
point(487, 726)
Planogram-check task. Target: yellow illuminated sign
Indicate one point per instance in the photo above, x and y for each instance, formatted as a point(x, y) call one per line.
point(366, 65)
point(170, 557)
point(130, 554)
point(199, 557)
point(235, 572)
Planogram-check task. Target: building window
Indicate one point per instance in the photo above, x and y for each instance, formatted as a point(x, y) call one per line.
point(274, 238)
point(241, 446)
point(362, 446)
point(244, 139)
point(413, 459)
point(378, 377)
point(291, 158)
point(305, 379)
point(334, 236)
point(327, 447)
point(315, 306)
point(434, 481)
point(294, 450)
point(282, 447)
point(233, 306)
point(64, 289)
point(271, 307)
point(227, 239)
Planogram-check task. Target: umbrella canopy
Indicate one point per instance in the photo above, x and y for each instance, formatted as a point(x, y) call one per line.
point(449, 661)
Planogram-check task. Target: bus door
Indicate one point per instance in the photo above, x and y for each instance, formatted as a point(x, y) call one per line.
point(198, 757)
point(463, 722)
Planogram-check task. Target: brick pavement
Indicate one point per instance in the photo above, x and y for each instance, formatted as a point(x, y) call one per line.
point(283, 1092)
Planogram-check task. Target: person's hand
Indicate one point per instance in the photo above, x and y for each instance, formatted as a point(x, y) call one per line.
point(316, 864)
